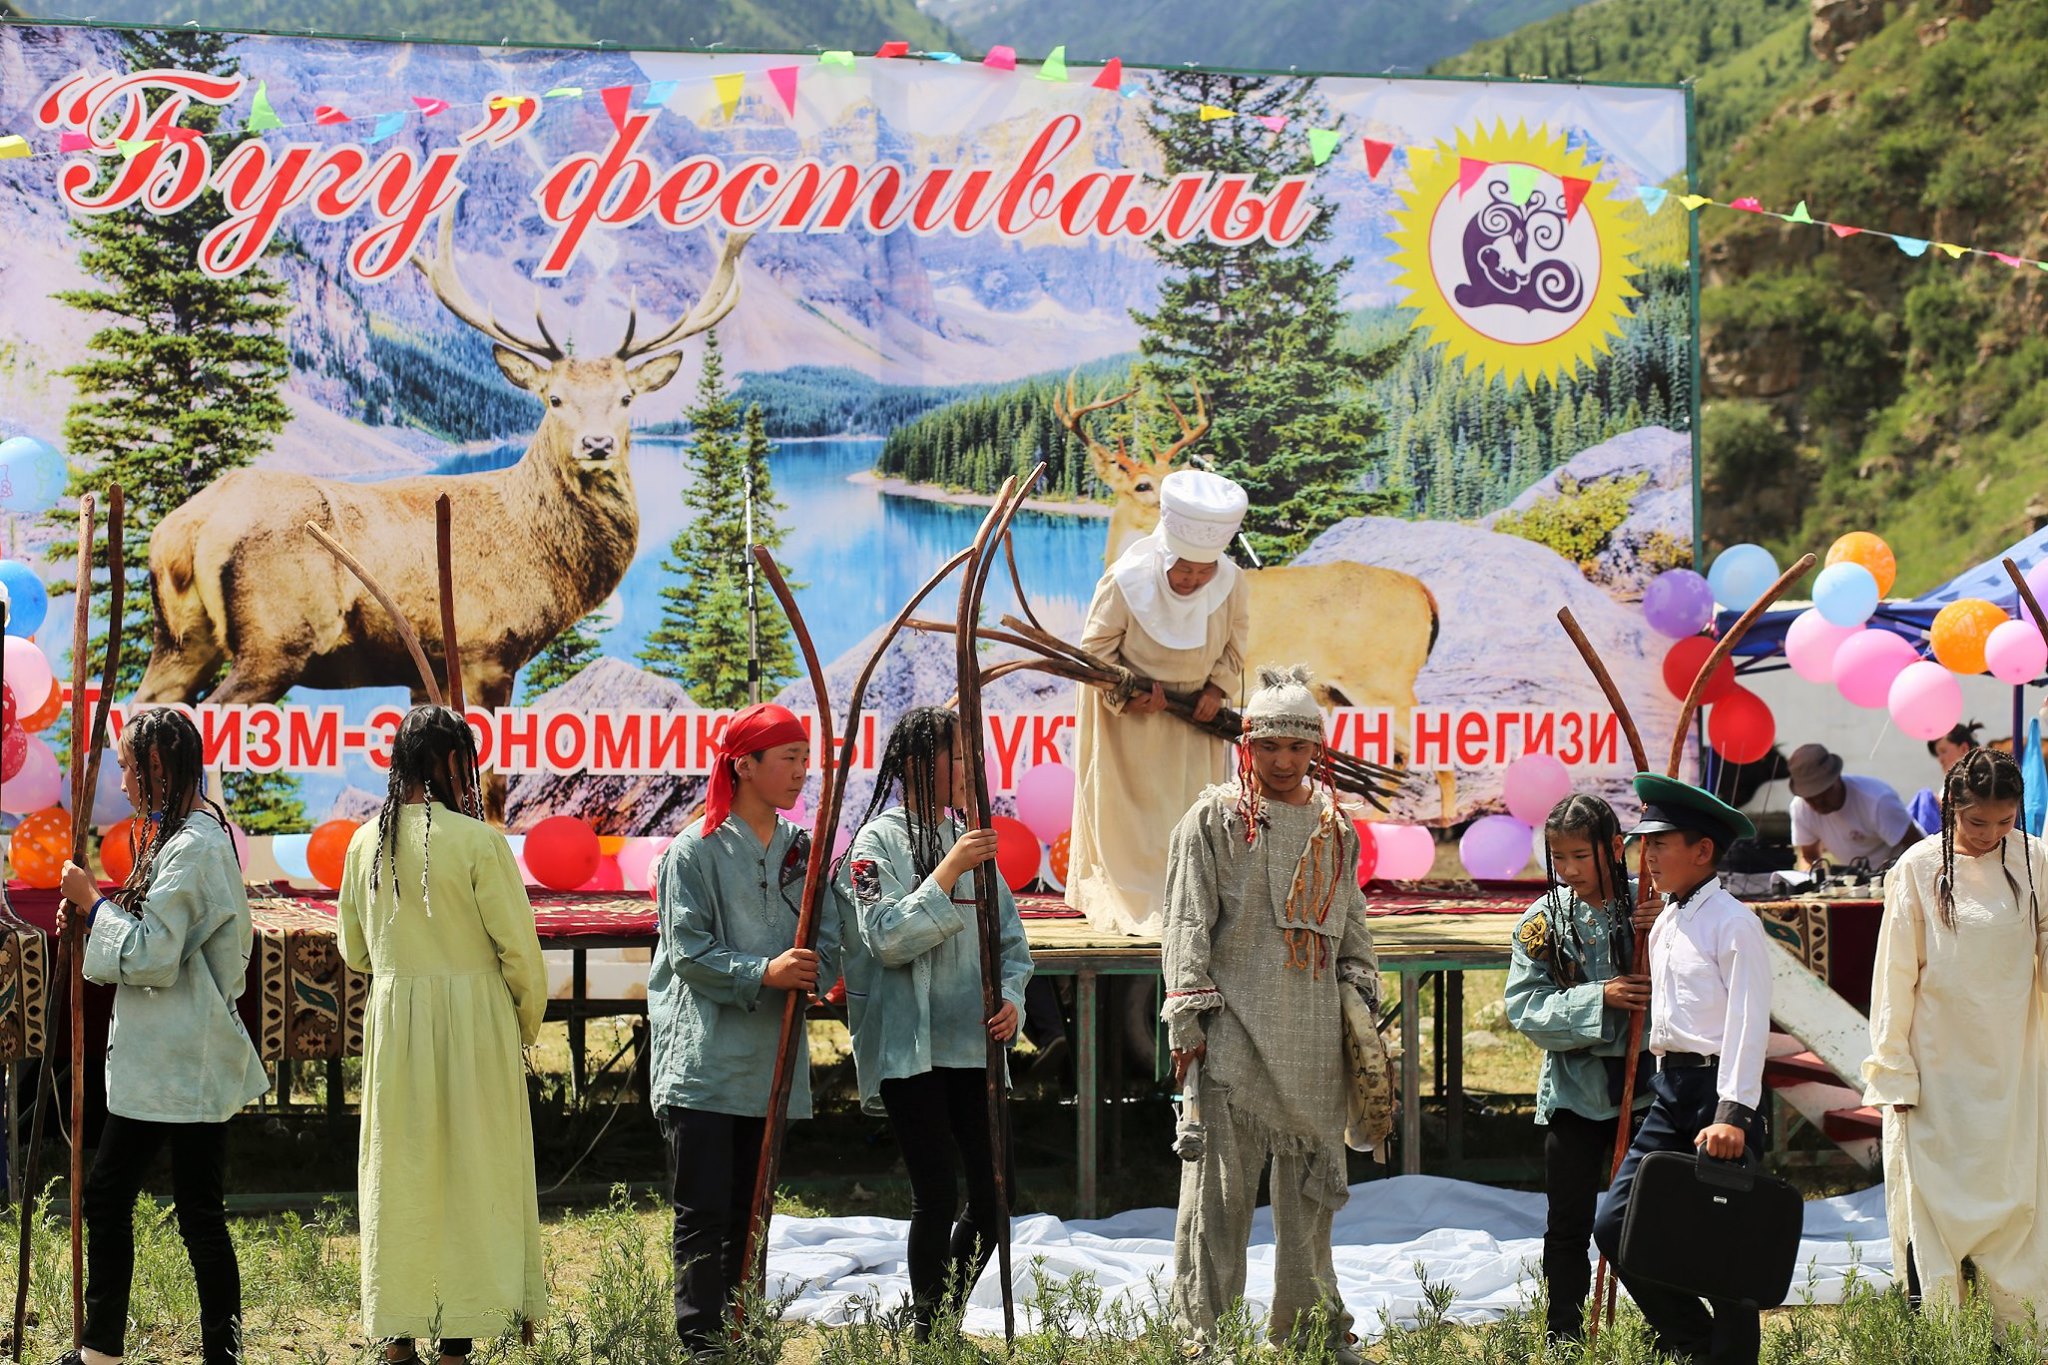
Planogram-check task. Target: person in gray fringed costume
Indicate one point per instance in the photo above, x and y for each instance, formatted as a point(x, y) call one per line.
point(1264, 927)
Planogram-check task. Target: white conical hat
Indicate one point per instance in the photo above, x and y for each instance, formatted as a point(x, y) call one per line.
point(1199, 514)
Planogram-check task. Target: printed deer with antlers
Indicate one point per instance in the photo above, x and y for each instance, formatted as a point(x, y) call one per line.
point(538, 543)
point(1364, 631)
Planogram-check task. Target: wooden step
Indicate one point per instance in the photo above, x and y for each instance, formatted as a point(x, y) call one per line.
point(1798, 1068)
point(1851, 1125)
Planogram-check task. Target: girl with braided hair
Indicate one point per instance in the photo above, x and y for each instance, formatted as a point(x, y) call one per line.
point(174, 941)
point(914, 1003)
point(433, 907)
point(1959, 1048)
point(1567, 993)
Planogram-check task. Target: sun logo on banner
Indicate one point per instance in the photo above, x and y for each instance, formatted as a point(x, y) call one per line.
point(1515, 255)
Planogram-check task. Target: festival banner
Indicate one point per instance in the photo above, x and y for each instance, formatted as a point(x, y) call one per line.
point(628, 308)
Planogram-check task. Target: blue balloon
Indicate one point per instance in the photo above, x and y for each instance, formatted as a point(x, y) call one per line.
point(32, 475)
point(1845, 594)
point(28, 602)
point(1741, 574)
point(290, 852)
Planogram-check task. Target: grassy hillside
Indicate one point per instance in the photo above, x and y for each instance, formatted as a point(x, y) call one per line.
point(796, 24)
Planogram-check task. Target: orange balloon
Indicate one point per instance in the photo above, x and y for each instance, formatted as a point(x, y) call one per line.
point(1861, 547)
point(46, 714)
point(1061, 847)
point(1960, 630)
point(40, 845)
point(117, 851)
point(327, 851)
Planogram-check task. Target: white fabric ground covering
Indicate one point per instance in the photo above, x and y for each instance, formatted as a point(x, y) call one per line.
point(1486, 1243)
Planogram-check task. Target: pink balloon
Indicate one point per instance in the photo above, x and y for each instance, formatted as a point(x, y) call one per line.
point(636, 861)
point(1496, 848)
point(1407, 853)
point(2037, 580)
point(842, 841)
point(1811, 645)
point(28, 670)
point(2016, 653)
point(37, 786)
point(1045, 800)
point(240, 839)
point(1925, 700)
point(1867, 662)
point(1533, 784)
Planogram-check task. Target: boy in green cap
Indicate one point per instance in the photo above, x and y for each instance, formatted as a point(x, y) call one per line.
point(1710, 1016)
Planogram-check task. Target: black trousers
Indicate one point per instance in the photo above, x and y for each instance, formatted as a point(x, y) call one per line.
point(1578, 1155)
point(199, 1165)
point(1731, 1334)
point(941, 1123)
point(713, 1161)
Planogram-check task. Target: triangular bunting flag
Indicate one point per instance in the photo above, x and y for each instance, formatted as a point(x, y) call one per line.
point(1912, 246)
point(1111, 76)
point(1469, 170)
point(618, 102)
point(13, 147)
point(327, 114)
point(1376, 154)
point(659, 93)
point(2013, 261)
point(1001, 58)
point(1275, 123)
point(1322, 142)
point(508, 101)
point(1210, 113)
point(1955, 253)
point(893, 48)
point(133, 146)
point(1521, 183)
point(1653, 197)
point(1843, 229)
point(1746, 204)
point(563, 92)
point(729, 84)
point(1694, 202)
point(950, 58)
point(1419, 159)
point(1575, 192)
point(387, 124)
point(1799, 214)
point(430, 106)
point(73, 142)
point(783, 78)
point(840, 57)
point(183, 137)
point(262, 118)
point(1054, 68)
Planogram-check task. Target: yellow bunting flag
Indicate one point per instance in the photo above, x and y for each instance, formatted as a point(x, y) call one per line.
point(1694, 202)
point(1210, 113)
point(13, 147)
point(1420, 159)
point(508, 101)
point(1055, 66)
point(262, 118)
point(1954, 252)
point(837, 58)
point(729, 86)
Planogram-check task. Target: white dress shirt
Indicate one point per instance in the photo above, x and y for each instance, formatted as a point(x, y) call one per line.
point(1710, 988)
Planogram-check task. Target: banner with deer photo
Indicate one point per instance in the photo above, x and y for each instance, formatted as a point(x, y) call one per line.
point(629, 309)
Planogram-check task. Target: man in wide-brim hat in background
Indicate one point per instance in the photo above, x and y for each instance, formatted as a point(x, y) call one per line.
point(1844, 818)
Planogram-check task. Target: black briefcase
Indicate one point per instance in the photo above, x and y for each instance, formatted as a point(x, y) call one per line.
point(1718, 1229)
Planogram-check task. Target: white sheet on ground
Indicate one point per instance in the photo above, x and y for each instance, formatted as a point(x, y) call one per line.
point(1485, 1243)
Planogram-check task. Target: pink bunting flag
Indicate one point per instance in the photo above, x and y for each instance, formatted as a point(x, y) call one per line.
point(430, 106)
point(1746, 204)
point(2013, 261)
point(1376, 154)
point(1574, 194)
point(1001, 59)
point(1275, 123)
point(1111, 76)
point(618, 102)
point(1843, 229)
point(328, 114)
point(783, 78)
point(1469, 170)
point(73, 142)
point(893, 49)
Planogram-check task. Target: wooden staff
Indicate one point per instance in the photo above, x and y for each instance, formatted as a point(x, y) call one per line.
point(2019, 580)
point(444, 564)
point(993, 528)
point(398, 621)
point(817, 874)
point(1722, 649)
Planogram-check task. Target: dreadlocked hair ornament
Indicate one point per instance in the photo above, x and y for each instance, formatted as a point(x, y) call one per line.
point(427, 738)
point(922, 738)
point(162, 741)
point(1981, 775)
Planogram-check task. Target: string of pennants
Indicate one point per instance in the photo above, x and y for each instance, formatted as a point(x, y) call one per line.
point(620, 100)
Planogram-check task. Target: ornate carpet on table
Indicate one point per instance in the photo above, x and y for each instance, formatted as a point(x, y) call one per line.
point(1485, 1243)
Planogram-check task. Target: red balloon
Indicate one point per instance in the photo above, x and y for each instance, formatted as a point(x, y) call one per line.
point(1741, 727)
point(327, 851)
point(1368, 851)
point(1017, 852)
point(1683, 664)
point(7, 711)
point(562, 852)
point(117, 851)
point(13, 750)
point(608, 877)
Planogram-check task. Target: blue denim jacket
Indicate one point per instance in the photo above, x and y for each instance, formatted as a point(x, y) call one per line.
point(727, 908)
point(913, 960)
point(178, 1052)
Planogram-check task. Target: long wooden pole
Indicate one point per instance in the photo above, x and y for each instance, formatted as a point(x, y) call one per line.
point(406, 633)
point(1722, 649)
point(444, 568)
point(2019, 580)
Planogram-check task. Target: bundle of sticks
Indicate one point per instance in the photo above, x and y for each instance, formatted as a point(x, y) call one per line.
point(1047, 653)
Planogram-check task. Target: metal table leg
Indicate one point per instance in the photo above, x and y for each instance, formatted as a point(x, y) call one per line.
point(579, 989)
point(1411, 1073)
point(1454, 1063)
point(1087, 1049)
